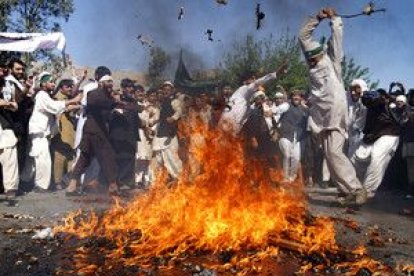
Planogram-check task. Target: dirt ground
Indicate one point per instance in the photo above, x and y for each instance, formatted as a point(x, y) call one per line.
point(390, 216)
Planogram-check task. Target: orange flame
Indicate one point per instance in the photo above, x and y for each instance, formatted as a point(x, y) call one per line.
point(232, 204)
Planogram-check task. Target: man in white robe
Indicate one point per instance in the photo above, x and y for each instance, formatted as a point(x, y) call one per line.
point(8, 141)
point(42, 126)
point(149, 120)
point(165, 144)
point(329, 111)
point(357, 115)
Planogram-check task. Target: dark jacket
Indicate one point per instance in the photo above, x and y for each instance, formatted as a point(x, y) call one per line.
point(166, 129)
point(22, 116)
point(124, 127)
point(256, 127)
point(98, 112)
point(293, 121)
point(380, 120)
point(408, 125)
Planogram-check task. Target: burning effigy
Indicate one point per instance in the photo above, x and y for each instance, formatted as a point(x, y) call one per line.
point(230, 217)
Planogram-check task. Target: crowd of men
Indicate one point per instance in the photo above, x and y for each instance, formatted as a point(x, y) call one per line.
point(76, 135)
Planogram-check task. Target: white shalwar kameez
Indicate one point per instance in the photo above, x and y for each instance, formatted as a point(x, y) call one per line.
point(8, 159)
point(148, 117)
point(166, 148)
point(43, 124)
point(357, 116)
point(328, 110)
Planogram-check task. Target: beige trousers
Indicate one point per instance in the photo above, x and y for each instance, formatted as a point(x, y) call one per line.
point(340, 167)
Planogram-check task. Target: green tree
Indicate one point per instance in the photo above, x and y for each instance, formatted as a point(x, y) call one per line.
point(250, 56)
point(5, 10)
point(159, 61)
point(352, 71)
point(39, 15)
point(264, 56)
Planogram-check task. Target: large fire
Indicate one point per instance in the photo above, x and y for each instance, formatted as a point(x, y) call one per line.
point(231, 205)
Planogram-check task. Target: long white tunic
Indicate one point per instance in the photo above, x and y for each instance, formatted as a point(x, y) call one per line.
point(240, 103)
point(148, 117)
point(43, 118)
point(7, 138)
point(82, 117)
point(43, 121)
point(357, 116)
point(329, 110)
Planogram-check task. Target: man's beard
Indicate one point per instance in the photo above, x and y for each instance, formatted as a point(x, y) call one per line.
point(107, 89)
point(17, 76)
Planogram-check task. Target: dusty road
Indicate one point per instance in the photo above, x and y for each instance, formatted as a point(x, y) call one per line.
point(389, 215)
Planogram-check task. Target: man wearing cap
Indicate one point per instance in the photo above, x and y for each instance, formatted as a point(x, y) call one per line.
point(95, 137)
point(357, 115)
point(255, 130)
point(280, 106)
point(328, 102)
point(236, 114)
point(42, 126)
point(91, 175)
point(292, 132)
point(165, 143)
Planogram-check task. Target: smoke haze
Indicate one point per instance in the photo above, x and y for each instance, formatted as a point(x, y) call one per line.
point(104, 32)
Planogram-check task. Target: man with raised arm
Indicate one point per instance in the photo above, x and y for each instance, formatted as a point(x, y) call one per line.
point(328, 102)
point(239, 103)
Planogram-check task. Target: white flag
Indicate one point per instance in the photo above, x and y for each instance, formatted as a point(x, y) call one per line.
point(30, 42)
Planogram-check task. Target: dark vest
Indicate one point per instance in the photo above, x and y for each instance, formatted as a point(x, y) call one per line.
point(293, 121)
point(166, 129)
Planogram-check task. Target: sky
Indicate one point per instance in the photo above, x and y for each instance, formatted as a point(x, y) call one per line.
point(103, 32)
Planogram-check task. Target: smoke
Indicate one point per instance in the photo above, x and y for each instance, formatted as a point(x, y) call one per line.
point(110, 29)
point(158, 19)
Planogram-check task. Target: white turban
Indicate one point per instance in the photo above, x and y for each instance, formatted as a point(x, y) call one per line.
point(401, 98)
point(106, 78)
point(258, 94)
point(361, 83)
point(279, 95)
point(167, 83)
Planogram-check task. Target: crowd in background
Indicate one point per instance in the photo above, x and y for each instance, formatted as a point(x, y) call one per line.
point(78, 135)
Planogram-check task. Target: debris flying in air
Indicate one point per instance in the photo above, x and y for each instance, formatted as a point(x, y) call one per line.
point(145, 40)
point(259, 17)
point(222, 2)
point(181, 13)
point(209, 34)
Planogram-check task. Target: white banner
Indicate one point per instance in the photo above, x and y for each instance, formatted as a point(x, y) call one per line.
point(30, 42)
